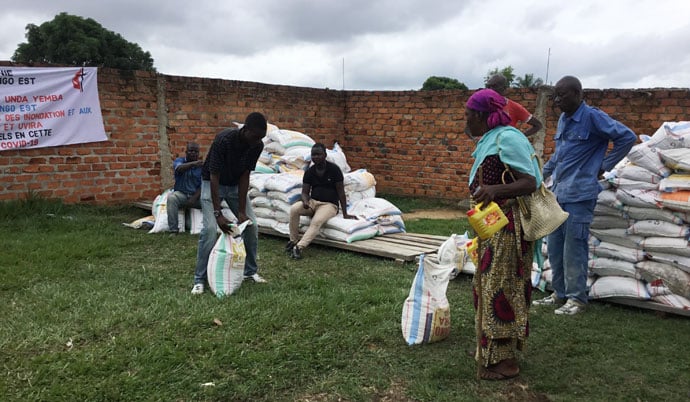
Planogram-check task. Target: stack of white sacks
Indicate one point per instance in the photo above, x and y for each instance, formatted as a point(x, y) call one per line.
point(639, 235)
point(276, 184)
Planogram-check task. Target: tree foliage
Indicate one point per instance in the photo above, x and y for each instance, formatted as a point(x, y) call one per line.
point(433, 83)
point(73, 40)
point(505, 71)
point(528, 81)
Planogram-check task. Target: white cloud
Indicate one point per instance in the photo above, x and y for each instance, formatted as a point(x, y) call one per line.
point(392, 44)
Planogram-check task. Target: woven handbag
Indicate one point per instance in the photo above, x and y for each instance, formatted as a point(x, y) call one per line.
point(540, 213)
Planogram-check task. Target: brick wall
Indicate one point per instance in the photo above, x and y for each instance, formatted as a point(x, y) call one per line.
point(412, 141)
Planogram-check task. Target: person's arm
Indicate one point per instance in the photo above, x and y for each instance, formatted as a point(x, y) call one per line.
point(222, 222)
point(524, 184)
point(306, 195)
point(243, 189)
point(340, 188)
point(620, 135)
point(183, 167)
point(536, 126)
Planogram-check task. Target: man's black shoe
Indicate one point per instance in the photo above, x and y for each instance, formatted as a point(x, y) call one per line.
point(296, 253)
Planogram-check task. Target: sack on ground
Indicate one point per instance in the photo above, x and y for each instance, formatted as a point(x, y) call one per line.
point(225, 267)
point(159, 210)
point(426, 312)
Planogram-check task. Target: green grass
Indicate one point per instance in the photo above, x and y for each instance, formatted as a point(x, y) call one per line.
point(96, 311)
point(411, 204)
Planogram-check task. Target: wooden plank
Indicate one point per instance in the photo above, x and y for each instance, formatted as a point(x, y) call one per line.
point(388, 239)
point(420, 236)
point(646, 304)
point(395, 246)
point(147, 205)
point(412, 238)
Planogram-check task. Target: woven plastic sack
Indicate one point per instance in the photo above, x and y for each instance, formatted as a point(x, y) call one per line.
point(359, 234)
point(225, 269)
point(618, 286)
point(673, 134)
point(358, 180)
point(638, 173)
point(647, 157)
point(159, 210)
point(426, 312)
point(677, 201)
point(676, 280)
point(290, 138)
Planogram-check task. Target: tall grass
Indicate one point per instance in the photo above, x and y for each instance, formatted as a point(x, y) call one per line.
point(95, 311)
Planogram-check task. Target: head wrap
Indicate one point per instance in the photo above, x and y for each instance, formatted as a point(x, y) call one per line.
point(491, 102)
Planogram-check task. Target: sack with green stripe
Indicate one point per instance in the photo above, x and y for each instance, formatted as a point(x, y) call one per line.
point(225, 267)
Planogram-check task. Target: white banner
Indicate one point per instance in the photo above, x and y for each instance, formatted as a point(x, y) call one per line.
point(46, 107)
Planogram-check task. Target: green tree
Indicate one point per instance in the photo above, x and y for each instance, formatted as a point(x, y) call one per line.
point(73, 40)
point(527, 81)
point(433, 83)
point(505, 71)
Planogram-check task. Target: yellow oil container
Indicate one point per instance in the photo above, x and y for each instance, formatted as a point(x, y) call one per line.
point(486, 221)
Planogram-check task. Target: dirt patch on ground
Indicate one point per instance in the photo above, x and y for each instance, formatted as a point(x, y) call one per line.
point(435, 214)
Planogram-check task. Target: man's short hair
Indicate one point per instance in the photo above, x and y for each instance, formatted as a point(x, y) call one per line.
point(319, 145)
point(255, 121)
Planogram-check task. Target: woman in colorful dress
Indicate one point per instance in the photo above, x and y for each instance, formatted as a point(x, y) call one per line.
point(504, 168)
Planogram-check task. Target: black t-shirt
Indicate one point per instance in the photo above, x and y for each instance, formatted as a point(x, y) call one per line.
point(230, 157)
point(323, 188)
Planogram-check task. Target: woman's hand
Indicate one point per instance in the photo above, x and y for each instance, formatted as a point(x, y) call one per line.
point(524, 184)
point(484, 194)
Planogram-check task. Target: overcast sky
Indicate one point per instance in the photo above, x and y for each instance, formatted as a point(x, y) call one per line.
point(391, 44)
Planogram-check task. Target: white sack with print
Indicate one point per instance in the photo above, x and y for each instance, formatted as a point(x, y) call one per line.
point(225, 267)
point(426, 312)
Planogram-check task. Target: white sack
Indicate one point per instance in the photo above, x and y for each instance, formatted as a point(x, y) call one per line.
point(225, 269)
point(426, 311)
point(647, 157)
point(618, 286)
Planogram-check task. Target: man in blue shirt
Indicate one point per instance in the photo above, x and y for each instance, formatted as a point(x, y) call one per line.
point(582, 139)
point(187, 184)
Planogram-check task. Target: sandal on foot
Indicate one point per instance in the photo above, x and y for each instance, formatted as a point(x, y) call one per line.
point(491, 375)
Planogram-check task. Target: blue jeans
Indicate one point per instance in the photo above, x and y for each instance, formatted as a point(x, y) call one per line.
point(176, 200)
point(209, 231)
point(569, 252)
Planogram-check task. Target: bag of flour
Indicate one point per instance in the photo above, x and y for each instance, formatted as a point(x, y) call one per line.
point(225, 267)
point(426, 312)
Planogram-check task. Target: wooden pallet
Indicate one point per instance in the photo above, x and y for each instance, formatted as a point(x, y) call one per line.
point(643, 304)
point(145, 205)
point(402, 247)
point(646, 304)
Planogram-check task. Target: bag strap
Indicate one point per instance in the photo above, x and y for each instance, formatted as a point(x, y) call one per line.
point(522, 204)
point(541, 188)
point(524, 210)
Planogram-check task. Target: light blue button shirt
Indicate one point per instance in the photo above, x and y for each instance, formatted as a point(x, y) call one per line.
point(582, 140)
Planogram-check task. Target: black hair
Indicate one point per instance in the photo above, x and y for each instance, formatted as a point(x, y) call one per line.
point(255, 121)
point(319, 145)
point(571, 83)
